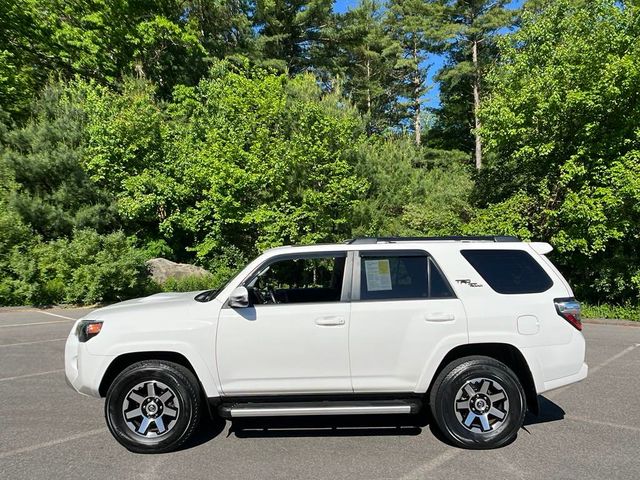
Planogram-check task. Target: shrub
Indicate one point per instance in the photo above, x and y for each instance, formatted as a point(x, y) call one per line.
point(624, 312)
point(191, 283)
point(87, 269)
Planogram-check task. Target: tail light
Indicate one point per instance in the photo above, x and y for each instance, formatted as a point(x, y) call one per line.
point(569, 309)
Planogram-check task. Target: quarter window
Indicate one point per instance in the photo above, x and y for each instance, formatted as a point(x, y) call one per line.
point(509, 271)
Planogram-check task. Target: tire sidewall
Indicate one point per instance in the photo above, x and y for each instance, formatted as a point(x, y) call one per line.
point(445, 411)
point(116, 397)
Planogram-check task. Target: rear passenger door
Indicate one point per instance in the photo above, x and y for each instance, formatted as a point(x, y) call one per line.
point(403, 310)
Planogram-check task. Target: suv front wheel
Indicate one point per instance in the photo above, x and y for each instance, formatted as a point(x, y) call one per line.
point(153, 406)
point(478, 402)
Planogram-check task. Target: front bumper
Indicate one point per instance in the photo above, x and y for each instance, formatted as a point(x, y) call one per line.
point(83, 371)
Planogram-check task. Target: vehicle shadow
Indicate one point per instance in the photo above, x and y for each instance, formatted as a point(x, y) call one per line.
point(343, 426)
point(209, 429)
point(329, 426)
point(549, 412)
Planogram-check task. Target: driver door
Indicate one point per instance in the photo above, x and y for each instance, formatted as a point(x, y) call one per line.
point(293, 338)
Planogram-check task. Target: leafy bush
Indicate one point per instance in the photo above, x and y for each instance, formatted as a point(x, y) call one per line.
point(87, 269)
point(623, 312)
point(191, 283)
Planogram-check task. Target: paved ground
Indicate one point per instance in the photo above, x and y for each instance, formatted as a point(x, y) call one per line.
point(589, 430)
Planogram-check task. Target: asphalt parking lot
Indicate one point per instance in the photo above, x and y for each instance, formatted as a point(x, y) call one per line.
point(588, 430)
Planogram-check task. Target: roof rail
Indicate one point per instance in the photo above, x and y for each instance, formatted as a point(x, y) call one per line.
point(459, 238)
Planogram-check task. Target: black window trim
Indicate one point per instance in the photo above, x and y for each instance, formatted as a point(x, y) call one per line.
point(347, 273)
point(357, 274)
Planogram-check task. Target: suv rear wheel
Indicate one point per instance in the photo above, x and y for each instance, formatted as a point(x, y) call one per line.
point(153, 406)
point(478, 402)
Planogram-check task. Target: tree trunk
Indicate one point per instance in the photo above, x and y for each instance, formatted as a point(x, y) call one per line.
point(476, 104)
point(416, 95)
point(368, 86)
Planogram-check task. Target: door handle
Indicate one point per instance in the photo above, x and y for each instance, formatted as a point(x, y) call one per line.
point(328, 321)
point(439, 317)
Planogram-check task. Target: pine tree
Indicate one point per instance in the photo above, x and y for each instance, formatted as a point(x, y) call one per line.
point(420, 27)
point(291, 32)
point(476, 23)
point(367, 61)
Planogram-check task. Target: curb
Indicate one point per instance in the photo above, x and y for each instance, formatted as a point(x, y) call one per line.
point(609, 321)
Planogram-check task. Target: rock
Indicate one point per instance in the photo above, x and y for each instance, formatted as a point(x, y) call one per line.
point(162, 269)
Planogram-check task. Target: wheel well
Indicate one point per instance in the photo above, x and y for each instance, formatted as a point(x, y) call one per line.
point(503, 352)
point(123, 361)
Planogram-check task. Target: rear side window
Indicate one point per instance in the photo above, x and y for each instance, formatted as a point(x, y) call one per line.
point(389, 277)
point(509, 271)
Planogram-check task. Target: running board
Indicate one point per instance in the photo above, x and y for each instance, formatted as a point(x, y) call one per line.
point(293, 409)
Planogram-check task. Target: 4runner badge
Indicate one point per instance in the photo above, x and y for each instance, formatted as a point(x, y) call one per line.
point(466, 281)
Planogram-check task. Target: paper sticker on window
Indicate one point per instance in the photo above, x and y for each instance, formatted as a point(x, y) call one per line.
point(378, 275)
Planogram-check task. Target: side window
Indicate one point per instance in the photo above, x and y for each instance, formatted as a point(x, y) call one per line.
point(388, 277)
point(299, 280)
point(509, 271)
point(438, 286)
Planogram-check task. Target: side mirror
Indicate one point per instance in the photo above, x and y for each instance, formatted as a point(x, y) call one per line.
point(239, 298)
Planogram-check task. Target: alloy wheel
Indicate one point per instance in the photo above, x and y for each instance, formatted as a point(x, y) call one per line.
point(150, 409)
point(481, 405)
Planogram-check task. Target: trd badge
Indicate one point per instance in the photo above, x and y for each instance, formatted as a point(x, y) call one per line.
point(466, 281)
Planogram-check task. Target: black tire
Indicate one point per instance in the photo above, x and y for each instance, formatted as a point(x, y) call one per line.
point(457, 398)
point(168, 423)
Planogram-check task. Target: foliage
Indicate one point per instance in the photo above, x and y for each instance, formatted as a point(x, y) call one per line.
point(623, 312)
point(366, 61)
point(291, 32)
point(206, 131)
point(420, 29)
point(191, 283)
point(88, 268)
point(562, 127)
point(51, 192)
point(243, 160)
point(425, 193)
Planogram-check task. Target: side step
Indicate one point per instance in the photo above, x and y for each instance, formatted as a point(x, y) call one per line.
point(292, 409)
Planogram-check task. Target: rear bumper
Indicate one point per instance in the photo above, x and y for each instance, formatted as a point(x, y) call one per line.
point(554, 366)
point(561, 382)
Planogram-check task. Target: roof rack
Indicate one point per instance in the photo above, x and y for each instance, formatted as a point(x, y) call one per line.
point(458, 238)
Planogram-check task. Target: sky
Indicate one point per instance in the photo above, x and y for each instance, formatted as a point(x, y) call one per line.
point(437, 61)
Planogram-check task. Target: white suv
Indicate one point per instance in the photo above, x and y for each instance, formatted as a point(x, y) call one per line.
point(473, 327)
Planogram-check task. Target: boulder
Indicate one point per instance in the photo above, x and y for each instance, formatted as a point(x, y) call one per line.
point(162, 269)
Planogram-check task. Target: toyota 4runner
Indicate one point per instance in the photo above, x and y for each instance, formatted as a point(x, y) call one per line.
point(474, 328)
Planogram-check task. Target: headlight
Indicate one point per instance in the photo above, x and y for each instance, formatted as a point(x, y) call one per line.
point(88, 329)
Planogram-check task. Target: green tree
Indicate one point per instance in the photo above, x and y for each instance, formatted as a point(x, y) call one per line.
point(243, 161)
point(419, 26)
point(561, 128)
point(475, 24)
point(291, 32)
point(167, 41)
point(52, 193)
point(367, 62)
point(427, 192)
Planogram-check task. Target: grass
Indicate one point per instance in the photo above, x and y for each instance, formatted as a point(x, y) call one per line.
point(603, 310)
